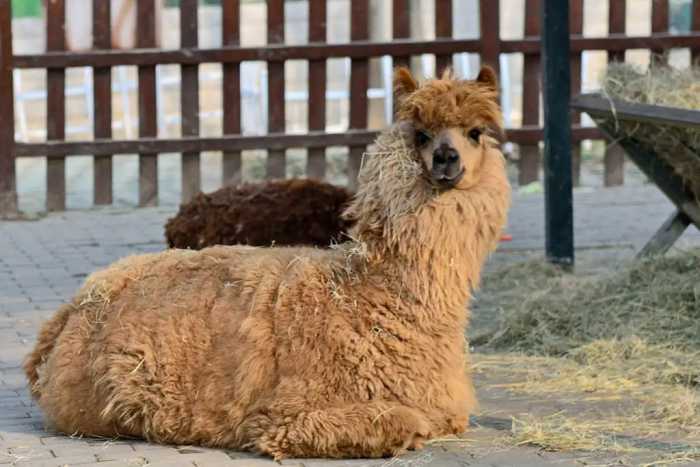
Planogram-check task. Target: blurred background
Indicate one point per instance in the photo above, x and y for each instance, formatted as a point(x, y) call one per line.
point(30, 85)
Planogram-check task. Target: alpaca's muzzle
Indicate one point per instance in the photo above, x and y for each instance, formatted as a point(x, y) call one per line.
point(446, 169)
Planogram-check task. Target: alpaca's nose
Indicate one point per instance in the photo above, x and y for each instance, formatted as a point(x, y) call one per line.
point(446, 170)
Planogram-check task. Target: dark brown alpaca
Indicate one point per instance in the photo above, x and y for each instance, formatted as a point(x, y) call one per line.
point(279, 212)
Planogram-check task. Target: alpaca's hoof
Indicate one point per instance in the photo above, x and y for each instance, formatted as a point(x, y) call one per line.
point(417, 432)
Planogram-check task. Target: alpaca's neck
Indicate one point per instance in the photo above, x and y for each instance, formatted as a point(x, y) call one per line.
point(437, 250)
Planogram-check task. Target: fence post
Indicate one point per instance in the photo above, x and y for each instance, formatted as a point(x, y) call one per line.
point(148, 122)
point(316, 157)
point(443, 29)
point(102, 98)
point(614, 159)
point(359, 82)
point(556, 78)
point(489, 25)
point(56, 106)
point(8, 192)
point(659, 22)
point(529, 163)
point(189, 100)
point(576, 28)
point(231, 89)
point(276, 158)
point(695, 26)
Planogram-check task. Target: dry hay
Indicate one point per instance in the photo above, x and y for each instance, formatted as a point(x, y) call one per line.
point(663, 86)
point(629, 341)
point(547, 313)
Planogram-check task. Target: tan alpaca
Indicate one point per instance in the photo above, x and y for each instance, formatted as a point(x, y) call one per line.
point(356, 351)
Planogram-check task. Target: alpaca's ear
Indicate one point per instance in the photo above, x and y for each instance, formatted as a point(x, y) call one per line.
point(447, 73)
point(487, 77)
point(404, 83)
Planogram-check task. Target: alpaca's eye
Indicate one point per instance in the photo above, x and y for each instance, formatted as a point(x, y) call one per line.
point(422, 138)
point(474, 134)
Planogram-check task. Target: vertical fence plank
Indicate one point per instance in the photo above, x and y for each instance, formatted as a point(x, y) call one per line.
point(276, 159)
point(443, 28)
point(695, 26)
point(659, 20)
point(232, 165)
point(614, 159)
point(316, 157)
point(359, 82)
point(489, 24)
point(55, 106)
point(8, 193)
point(189, 100)
point(576, 28)
point(102, 97)
point(401, 27)
point(148, 124)
point(529, 164)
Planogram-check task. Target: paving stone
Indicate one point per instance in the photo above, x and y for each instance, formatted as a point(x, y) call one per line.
point(29, 453)
point(110, 452)
point(60, 440)
point(75, 448)
point(85, 458)
point(257, 463)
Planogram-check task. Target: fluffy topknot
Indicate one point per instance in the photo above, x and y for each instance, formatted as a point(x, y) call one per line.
point(449, 102)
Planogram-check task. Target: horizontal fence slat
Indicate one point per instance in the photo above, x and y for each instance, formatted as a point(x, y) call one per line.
point(102, 97)
point(356, 49)
point(231, 91)
point(525, 135)
point(55, 106)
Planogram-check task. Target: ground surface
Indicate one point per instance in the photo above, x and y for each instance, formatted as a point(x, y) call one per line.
point(43, 261)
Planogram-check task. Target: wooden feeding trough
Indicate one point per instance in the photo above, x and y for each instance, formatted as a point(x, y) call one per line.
point(659, 145)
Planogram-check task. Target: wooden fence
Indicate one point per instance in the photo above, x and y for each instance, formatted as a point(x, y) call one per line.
point(359, 50)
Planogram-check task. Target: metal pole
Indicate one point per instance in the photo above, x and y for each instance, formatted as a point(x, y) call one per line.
point(556, 74)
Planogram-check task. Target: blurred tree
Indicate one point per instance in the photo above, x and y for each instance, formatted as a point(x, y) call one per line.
point(26, 8)
point(680, 15)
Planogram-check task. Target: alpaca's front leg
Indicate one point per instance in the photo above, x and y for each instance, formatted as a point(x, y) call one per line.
point(372, 429)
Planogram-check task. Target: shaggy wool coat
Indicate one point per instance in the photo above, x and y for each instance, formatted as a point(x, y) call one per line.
point(294, 352)
point(290, 212)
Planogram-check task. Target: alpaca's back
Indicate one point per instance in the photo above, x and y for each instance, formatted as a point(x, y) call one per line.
point(279, 212)
point(140, 339)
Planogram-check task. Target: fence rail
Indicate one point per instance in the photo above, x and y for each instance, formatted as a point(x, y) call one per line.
point(359, 50)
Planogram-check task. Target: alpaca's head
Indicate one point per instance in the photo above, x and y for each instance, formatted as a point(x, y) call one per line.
point(442, 148)
point(450, 123)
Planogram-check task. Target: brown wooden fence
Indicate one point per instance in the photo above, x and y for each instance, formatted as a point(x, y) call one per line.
point(359, 50)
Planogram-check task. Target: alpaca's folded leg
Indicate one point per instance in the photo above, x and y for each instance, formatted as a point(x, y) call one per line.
point(372, 429)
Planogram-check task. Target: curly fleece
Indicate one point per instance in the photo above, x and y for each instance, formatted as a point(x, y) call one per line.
point(356, 351)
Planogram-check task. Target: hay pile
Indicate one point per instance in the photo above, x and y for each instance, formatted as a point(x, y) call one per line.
point(668, 87)
point(629, 339)
point(657, 300)
point(547, 312)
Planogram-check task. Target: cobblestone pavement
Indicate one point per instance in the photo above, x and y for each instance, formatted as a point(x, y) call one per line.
point(42, 263)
